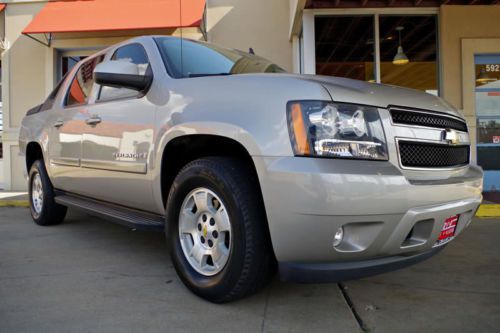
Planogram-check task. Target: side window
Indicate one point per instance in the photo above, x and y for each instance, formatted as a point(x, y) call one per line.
point(135, 54)
point(49, 102)
point(81, 86)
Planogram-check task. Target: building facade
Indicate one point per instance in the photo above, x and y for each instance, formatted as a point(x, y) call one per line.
point(446, 48)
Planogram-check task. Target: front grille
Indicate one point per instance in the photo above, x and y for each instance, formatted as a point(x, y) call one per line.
point(426, 119)
point(430, 155)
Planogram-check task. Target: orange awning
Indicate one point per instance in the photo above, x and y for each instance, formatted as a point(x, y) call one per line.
point(71, 16)
point(2, 7)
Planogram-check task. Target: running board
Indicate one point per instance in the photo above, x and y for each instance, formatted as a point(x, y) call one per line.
point(128, 217)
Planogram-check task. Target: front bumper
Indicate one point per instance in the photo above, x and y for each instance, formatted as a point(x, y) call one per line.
point(344, 271)
point(384, 214)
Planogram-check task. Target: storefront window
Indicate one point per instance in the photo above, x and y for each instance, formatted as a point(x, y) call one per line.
point(488, 118)
point(408, 52)
point(345, 46)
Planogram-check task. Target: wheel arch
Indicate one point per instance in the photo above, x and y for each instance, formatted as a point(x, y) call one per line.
point(186, 148)
point(34, 152)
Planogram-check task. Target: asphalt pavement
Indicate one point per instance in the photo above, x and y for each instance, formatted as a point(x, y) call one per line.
point(89, 275)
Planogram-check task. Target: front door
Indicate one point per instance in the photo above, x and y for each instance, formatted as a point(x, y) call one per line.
point(67, 123)
point(487, 95)
point(118, 141)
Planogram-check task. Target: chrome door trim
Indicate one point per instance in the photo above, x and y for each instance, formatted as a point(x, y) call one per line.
point(131, 167)
point(68, 161)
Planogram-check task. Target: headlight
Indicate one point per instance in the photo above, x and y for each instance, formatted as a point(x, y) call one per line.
point(340, 130)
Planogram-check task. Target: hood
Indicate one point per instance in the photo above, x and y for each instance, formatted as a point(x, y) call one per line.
point(380, 95)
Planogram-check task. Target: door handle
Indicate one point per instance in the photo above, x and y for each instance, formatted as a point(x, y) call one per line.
point(58, 123)
point(93, 121)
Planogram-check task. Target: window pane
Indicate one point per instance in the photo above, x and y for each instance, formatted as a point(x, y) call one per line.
point(135, 54)
point(82, 83)
point(488, 131)
point(345, 46)
point(488, 157)
point(68, 63)
point(49, 102)
point(418, 43)
point(488, 85)
point(191, 58)
point(487, 81)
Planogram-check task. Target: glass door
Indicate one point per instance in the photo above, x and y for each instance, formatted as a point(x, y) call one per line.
point(487, 95)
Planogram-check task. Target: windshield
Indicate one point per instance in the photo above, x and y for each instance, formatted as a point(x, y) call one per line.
point(196, 59)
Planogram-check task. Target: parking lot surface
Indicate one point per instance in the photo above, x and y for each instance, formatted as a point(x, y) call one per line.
point(89, 275)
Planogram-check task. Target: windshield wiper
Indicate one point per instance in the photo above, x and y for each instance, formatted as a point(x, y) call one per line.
point(207, 74)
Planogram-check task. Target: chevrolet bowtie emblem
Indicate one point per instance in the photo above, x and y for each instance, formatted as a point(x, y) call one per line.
point(451, 136)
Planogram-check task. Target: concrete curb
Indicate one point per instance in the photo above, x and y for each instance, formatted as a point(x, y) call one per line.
point(14, 203)
point(490, 210)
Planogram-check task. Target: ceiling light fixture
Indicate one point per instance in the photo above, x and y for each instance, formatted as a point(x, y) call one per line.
point(400, 58)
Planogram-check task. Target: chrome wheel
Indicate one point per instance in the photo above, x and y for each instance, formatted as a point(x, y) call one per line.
point(205, 231)
point(37, 194)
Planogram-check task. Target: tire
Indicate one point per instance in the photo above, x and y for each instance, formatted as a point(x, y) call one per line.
point(249, 260)
point(44, 210)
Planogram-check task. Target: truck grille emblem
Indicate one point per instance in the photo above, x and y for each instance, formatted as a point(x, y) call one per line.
point(451, 136)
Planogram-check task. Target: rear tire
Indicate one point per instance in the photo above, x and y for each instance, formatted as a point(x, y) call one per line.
point(229, 229)
point(44, 210)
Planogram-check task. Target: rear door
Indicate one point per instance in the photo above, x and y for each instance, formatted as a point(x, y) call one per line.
point(67, 123)
point(118, 140)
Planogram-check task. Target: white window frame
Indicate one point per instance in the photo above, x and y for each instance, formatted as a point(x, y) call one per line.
point(308, 42)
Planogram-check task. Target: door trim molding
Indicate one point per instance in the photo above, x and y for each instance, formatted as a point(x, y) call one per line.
point(69, 161)
point(131, 167)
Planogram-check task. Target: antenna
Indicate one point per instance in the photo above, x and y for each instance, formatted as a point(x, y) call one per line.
point(181, 27)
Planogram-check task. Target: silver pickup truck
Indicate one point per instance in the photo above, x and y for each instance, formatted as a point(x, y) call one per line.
point(247, 168)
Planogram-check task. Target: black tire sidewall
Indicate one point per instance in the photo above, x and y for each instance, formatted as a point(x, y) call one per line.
point(51, 213)
point(188, 180)
point(36, 169)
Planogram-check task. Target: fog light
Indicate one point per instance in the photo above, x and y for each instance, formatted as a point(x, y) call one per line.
point(339, 235)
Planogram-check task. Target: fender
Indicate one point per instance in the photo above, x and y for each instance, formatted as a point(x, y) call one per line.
point(221, 129)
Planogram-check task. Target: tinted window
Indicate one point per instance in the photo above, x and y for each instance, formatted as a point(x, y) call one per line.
point(135, 54)
point(49, 102)
point(81, 86)
point(188, 58)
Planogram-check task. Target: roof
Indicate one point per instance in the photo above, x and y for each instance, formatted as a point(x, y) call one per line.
point(113, 15)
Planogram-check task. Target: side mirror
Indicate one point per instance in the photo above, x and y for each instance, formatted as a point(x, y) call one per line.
point(123, 74)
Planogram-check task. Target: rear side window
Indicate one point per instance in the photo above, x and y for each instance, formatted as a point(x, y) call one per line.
point(134, 53)
point(81, 85)
point(49, 102)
